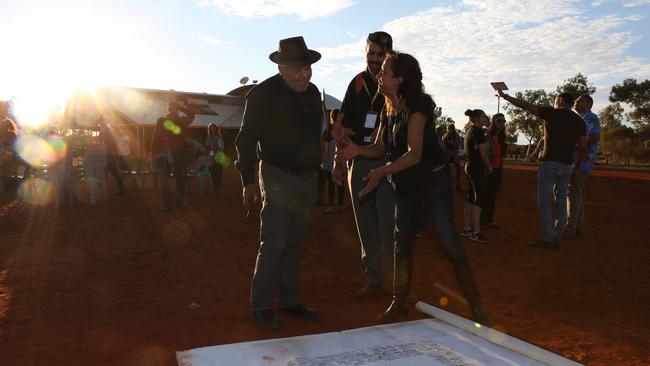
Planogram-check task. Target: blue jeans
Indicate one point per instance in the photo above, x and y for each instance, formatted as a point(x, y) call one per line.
point(552, 182)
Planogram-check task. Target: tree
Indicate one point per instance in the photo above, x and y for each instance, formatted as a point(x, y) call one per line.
point(611, 116)
point(619, 142)
point(526, 123)
point(638, 96)
point(576, 86)
point(511, 134)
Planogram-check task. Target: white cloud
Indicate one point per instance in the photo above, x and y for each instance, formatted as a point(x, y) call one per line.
point(624, 3)
point(217, 42)
point(304, 9)
point(528, 44)
point(635, 3)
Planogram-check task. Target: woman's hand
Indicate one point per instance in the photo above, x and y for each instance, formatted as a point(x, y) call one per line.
point(373, 178)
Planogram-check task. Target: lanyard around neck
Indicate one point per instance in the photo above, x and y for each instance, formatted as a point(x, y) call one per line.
point(372, 98)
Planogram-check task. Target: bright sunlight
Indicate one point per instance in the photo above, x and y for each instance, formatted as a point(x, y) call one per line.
point(58, 51)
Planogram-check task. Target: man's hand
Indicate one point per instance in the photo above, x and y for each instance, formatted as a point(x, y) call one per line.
point(339, 132)
point(348, 152)
point(251, 196)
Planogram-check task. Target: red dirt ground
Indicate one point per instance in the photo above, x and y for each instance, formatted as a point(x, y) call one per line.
point(114, 284)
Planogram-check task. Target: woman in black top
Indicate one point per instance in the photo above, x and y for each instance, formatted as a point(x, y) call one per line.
point(477, 166)
point(420, 177)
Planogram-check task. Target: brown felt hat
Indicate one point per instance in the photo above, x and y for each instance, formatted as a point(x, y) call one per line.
point(294, 52)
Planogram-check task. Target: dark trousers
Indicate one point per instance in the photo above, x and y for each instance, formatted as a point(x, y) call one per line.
point(325, 180)
point(112, 165)
point(179, 156)
point(216, 172)
point(493, 184)
point(436, 207)
point(287, 202)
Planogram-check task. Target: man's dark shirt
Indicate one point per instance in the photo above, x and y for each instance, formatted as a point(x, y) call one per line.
point(357, 102)
point(176, 140)
point(286, 124)
point(562, 130)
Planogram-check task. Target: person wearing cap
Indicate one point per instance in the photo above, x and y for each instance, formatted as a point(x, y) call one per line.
point(282, 126)
point(374, 213)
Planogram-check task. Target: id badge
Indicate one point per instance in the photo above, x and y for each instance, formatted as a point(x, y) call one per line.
point(371, 120)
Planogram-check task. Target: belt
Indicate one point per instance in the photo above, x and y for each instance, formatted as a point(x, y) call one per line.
point(299, 172)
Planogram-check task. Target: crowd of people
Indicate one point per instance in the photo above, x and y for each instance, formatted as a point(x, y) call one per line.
point(105, 151)
point(398, 171)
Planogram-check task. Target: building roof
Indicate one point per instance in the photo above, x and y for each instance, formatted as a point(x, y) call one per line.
point(135, 106)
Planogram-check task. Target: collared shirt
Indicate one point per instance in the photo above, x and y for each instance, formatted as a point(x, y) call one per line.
point(593, 127)
point(362, 96)
point(562, 130)
point(281, 127)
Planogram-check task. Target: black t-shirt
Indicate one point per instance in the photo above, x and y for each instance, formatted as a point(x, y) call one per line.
point(395, 137)
point(361, 97)
point(473, 138)
point(562, 130)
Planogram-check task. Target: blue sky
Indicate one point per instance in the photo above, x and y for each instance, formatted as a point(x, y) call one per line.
point(55, 47)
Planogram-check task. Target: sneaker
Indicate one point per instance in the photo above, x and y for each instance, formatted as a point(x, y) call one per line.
point(466, 232)
point(478, 237)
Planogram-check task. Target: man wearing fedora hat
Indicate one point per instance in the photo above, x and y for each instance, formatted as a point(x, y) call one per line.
point(282, 127)
point(374, 214)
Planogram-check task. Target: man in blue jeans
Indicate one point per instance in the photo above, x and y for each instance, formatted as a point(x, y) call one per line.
point(576, 206)
point(563, 131)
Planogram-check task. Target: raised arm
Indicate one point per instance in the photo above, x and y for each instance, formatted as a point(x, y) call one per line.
point(519, 103)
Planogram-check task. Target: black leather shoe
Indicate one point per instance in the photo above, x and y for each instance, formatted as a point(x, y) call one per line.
point(301, 311)
point(395, 312)
point(266, 318)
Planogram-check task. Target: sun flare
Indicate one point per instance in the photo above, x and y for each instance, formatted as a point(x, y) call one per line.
point(57, 52)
